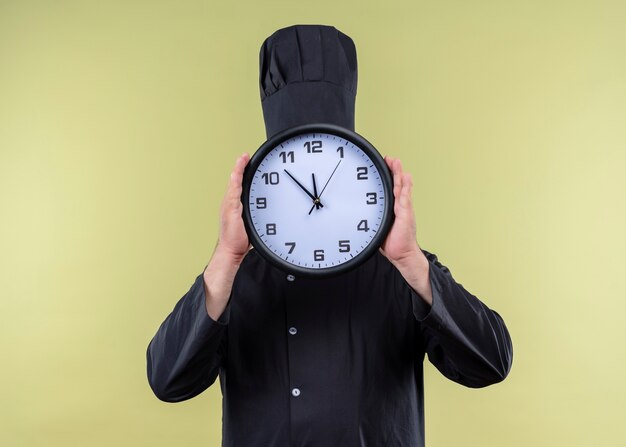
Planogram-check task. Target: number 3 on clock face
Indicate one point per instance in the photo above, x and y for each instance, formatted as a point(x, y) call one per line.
point(317, 200)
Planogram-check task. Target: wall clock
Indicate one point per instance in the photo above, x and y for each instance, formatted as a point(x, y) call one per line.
point(317, 200)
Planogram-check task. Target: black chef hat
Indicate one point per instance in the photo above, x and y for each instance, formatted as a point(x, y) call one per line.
point(308, 74)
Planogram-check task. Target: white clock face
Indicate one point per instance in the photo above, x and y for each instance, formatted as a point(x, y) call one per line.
point(350, 200)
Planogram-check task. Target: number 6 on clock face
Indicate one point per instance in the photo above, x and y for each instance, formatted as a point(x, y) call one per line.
point(317, 200)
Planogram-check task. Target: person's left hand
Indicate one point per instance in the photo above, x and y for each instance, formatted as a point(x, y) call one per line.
point(401, 245)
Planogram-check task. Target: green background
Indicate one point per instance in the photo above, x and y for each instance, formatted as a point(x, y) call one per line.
point(120, 122)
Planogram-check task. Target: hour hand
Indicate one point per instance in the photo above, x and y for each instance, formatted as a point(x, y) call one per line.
point(304, 189)
point(316, 202)
point(324, 188)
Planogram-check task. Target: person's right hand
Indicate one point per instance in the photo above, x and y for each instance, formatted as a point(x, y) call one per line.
point(233, 240)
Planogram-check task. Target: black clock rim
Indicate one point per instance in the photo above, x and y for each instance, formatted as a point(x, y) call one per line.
point(365, 146)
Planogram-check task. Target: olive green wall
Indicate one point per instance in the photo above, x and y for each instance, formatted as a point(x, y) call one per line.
point(119, 124)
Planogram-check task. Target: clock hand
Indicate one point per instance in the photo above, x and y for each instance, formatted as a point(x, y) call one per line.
point(331, 176)
point(315, 199)
point(324, 188)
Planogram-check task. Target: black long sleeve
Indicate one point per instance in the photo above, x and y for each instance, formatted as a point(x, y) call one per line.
point(184, 356)
point(465, 340)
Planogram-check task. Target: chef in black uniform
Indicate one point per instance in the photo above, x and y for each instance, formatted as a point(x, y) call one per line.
point(322, 362)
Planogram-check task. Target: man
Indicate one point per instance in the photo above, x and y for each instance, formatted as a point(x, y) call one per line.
point(322, 362)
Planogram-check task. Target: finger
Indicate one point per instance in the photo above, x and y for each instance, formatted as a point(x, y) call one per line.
point(242, 161)
point(233, 193)
point(240, 164)
point(398, 166)
point(397, 178)
point(405, 194)
point(388, 161)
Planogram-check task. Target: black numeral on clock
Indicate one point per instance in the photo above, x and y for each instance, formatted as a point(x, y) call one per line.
point(313, 147)
point(318, 255)
point(261, 203)
point(287, 155)
point(362, 226)
point(371, 198)
point(270, 229)
point(361, 173)
point(270, 178)
point(291, 246)
point(340, 150)
point(344, 246)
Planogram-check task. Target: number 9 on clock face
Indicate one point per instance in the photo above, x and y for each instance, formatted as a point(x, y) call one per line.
point(317, 200)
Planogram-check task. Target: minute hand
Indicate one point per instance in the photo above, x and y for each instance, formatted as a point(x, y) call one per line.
point(304, 189)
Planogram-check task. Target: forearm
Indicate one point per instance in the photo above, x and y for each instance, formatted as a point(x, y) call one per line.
point(183, 357)
point(465, 339)
point(415, 270)
point(219, 276)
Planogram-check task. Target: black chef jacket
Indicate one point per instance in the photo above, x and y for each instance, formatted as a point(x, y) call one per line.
point(326, 362)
